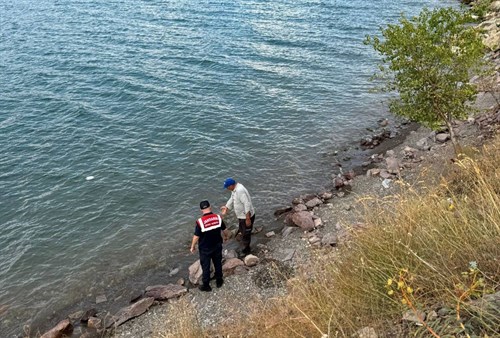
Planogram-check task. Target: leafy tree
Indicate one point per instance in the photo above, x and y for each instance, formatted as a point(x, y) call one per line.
point(428, 59)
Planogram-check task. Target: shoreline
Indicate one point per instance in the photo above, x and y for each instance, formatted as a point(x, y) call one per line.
point(278, 247)
point(349, 156)
point(296, 248)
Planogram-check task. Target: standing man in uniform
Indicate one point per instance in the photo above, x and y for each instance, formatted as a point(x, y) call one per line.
point(209, 232)
point(241, 201)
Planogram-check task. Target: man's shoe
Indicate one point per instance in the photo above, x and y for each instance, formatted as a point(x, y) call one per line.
point(219, 283)
point(206, 288)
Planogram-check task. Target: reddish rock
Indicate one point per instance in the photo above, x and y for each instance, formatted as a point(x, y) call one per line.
point(231, 264)
point(131, 311)
point(165, 292)
point(64, 327)
point(303, 220)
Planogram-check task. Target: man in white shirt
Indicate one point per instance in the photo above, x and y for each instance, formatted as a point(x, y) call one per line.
point(241, 201)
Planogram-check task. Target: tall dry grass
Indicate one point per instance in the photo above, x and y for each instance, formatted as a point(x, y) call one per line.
point(420, 251)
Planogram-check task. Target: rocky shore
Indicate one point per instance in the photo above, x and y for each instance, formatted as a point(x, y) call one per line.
point(391, 153)
point(311, 223)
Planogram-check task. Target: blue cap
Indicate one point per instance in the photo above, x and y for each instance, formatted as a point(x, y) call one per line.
point(229, 182)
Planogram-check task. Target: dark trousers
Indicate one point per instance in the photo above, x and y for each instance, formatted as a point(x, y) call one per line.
point(216, 257)
point(246, 232)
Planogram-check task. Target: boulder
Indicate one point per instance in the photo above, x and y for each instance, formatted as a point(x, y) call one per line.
point(131, 311)
point(64, 327)
point(303, 220)
point(318, 222)
point(313, 203)
point(165, 292)
point(297, 200)
point(393, 165)
point(251, 260)
point(195, 272)
point(229, 265)
point(299, 207)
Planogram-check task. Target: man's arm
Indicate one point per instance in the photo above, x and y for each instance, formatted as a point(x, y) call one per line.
point(228, 205)
point(193, 243)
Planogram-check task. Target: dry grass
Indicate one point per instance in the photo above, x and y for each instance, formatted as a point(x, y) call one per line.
point(420, 251)
point(181, 322)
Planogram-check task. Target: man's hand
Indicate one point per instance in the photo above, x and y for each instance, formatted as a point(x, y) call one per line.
point(223, 210)
point(248, 222)
point(193, 249)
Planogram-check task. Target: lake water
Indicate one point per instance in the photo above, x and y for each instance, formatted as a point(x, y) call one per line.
point(117, 117)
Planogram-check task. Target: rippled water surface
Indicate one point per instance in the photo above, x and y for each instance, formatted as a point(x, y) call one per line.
point(159, 101)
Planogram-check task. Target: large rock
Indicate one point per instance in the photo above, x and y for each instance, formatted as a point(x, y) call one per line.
point(64, 327)
point(314, 203)
point(393, 165)
point(165, 292)
point(195, 272)
point(231, 264)
point(131, 311)
point(304, 220)
point(300, 207)
point(251, 260)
